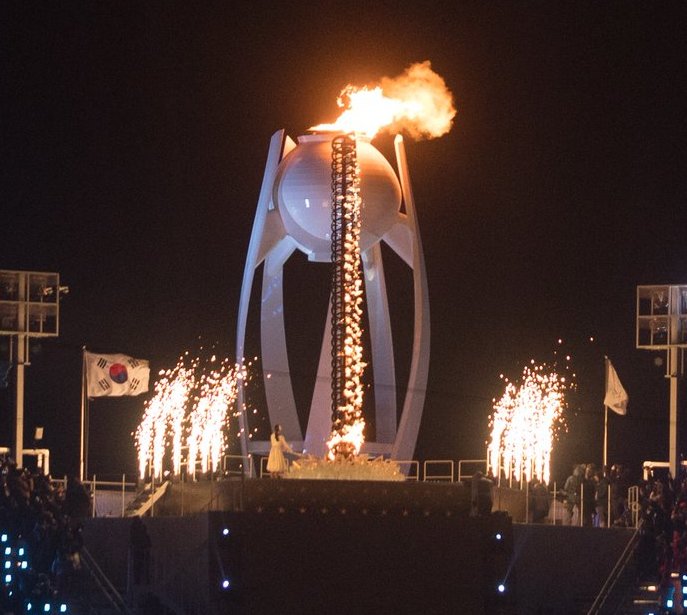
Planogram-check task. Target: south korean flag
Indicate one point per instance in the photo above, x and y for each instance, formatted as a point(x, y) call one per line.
point(115, 375)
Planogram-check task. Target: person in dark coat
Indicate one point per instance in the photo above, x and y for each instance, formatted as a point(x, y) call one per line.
point(539, 494)
point(481, 495)
point(139, 543)
point(588, 496)
point(572, 489)
point(601, 481)
point(77, 500)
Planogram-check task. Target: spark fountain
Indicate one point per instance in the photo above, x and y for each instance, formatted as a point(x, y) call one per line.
point(297, 210)
point(190, 410)
point(525, 423)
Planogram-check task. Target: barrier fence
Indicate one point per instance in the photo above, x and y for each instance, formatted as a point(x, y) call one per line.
point(438, 470)
point(110, 498)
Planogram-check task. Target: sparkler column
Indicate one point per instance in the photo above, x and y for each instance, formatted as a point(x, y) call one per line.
point(524, 425)
point(346, 302)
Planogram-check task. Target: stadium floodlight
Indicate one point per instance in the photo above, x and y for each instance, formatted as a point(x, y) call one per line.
point(662, 325)
point(29, 307)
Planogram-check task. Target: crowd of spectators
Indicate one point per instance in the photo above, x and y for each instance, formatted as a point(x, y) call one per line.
point(39, 522)
point(661, 511)
point(591, 493)
point(663, 501)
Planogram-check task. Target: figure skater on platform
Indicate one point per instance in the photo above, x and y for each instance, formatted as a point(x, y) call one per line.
point(276, 463)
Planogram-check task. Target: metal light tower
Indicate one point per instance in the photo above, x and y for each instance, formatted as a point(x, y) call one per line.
point(294, 213)
point(662, 325)
point(29, 307)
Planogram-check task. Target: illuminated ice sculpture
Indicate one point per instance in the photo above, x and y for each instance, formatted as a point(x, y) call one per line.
point(294, 213)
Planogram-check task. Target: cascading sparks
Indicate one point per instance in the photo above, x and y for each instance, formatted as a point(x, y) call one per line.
point(218, 392)
point(347, 303)
point(190, 410)
point(525, 422)
point(416, 101)
point(165, 410)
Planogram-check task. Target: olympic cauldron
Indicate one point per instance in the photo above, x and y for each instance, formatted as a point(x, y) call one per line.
point(294, 213)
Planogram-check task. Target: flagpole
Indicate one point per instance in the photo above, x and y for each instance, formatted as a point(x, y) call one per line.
point(83, 413)
point(605, 436)
point(605, 413)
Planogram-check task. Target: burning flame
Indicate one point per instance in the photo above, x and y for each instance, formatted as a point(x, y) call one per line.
point(524, 424)
point(416, 101)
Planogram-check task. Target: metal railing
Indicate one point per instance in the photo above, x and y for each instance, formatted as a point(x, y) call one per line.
point(241, 459)
point(440, 470)
point(108, 485)
point(464, 462)
point(94, 484)
point(445, 464)
point(263, 465)
point(104, 584)
point(615, 575)
point(156, 492)
point(413, 468)
point(634, 505)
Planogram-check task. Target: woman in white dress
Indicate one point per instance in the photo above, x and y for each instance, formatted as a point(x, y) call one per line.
point(276, 463)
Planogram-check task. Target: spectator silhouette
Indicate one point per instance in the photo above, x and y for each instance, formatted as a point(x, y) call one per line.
point(140, 544)
point(77, 500)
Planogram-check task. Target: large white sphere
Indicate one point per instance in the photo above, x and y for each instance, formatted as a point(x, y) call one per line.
point(303, 193)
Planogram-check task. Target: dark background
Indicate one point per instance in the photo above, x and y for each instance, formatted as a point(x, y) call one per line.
point(134, 137)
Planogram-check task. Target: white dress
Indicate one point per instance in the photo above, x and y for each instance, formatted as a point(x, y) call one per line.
point(276, 462)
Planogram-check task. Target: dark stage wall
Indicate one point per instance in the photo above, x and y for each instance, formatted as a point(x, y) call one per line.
point(316, 547)
point(365, 548)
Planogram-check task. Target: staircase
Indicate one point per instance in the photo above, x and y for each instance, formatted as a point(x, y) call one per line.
point(99, 596)
point(145, 499)
point(626, 592)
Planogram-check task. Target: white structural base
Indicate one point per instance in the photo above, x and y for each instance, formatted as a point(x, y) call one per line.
point(271, 245)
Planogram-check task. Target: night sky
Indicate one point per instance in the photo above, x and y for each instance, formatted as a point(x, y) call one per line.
point(134, 138)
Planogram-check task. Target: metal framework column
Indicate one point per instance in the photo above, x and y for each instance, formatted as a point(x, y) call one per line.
point(346, 293)
point(22, 342)
point(674, 374)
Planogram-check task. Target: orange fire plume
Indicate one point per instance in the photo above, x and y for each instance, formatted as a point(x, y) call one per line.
point(416, 101)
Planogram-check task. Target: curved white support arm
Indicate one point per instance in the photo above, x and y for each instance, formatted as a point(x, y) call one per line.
point(409, 426)
point(320, 418)
point(275, 361)
point(276, 149)
point(382, 350)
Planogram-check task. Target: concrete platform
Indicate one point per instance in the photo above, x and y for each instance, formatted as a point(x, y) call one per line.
point(277, 495)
